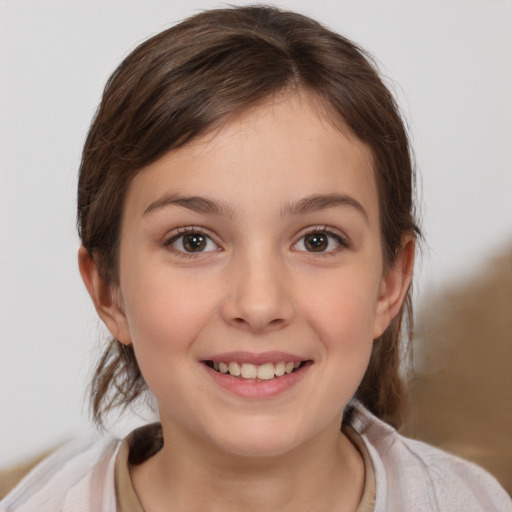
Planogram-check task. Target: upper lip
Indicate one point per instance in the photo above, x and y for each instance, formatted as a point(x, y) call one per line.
point(255, 358)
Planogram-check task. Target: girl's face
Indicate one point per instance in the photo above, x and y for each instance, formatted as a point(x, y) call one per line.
point(254, 250)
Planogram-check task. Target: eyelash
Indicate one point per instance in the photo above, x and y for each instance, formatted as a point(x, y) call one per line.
point(341, 241)
point(181, 233)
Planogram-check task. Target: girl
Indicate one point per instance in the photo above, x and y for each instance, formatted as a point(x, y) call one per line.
point(248, 234)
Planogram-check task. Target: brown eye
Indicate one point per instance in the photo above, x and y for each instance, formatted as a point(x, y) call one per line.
point(194, 242)
point(316, 242)
point(320, 241)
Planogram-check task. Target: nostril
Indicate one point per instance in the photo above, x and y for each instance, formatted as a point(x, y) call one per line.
point(258, 324)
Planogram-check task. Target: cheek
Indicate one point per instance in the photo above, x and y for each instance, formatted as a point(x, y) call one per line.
point(342, 325)
point(165, 313)
point(165, 316)
point(342, 314)
point(344, 309)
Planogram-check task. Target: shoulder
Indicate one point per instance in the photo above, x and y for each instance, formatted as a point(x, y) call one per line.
point(412, 475)
point(63, 480)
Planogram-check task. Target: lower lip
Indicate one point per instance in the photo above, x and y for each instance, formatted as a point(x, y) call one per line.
point(258, 389)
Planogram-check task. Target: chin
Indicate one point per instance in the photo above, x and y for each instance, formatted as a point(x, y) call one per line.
point(258, 448)
point(258, 440)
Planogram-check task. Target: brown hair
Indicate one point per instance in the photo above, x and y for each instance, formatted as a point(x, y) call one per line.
point(191, 78)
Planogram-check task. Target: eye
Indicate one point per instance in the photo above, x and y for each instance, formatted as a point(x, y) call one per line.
point(192, 242)
point(320, 240)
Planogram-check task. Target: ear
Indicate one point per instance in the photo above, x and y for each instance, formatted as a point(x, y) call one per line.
point(105, 296)
point(394, 286)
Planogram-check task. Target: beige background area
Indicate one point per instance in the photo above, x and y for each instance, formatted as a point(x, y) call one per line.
point(462, 392)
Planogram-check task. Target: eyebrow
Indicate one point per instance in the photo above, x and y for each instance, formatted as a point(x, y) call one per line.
point(194, 203)
point(322, 202)
point(308, 204)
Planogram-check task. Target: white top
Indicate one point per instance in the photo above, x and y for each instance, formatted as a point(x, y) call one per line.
point(409, 476)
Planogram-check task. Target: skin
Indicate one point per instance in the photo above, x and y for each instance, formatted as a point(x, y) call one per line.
point(255, 287)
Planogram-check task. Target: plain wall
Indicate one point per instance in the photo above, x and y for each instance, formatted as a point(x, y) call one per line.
point(448, 61)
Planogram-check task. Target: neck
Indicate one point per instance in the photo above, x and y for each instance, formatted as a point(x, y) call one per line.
point(324, 474)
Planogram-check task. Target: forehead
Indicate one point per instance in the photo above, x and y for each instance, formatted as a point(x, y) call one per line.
point(286, 148)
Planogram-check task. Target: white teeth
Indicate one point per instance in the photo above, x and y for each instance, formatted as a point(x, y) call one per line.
point(234, 369)
point(265, 371)
point(249, 371)
point(279, 371)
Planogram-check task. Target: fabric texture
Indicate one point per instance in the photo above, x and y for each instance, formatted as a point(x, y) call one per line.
point(409, 476)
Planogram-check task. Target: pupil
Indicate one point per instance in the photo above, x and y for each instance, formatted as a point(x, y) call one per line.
point(316, 242)
point(194, 242)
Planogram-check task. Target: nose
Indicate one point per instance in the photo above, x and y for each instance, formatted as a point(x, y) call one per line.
point(259, 294)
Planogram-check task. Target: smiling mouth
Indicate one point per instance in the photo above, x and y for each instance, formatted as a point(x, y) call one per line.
point(257, 372)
